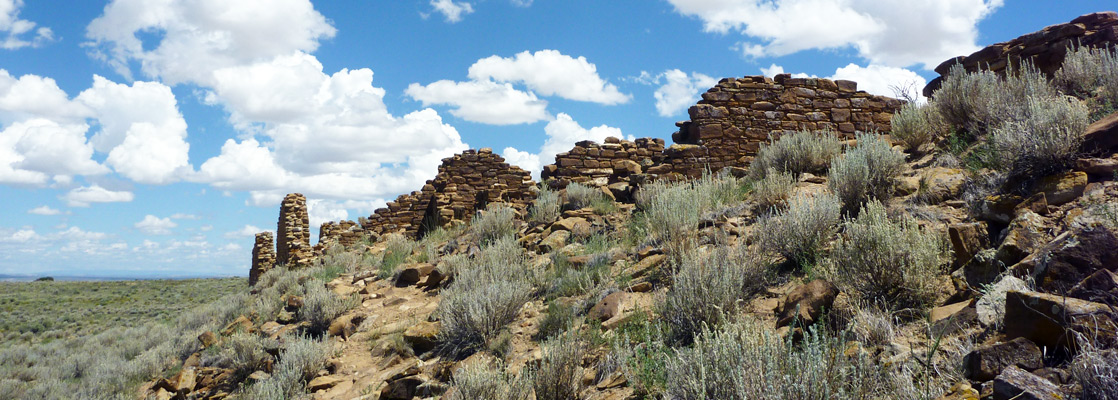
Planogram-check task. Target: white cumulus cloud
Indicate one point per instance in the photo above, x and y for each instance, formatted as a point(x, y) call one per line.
point(452, 10)
point(44, 210)
point(84, 196)
point(550, 73)
point(679, 91)
point(484, 102)
point(246, 231)
point(882, 80)
point(17, 33)
point(201, 36)
point(153, 225)
point(885, 32)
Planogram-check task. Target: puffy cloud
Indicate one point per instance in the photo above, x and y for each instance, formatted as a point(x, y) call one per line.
point(33, 96)
point(21, 236)
point(329, 136)
point(32, 151)
point(141, 129)
point(550, 73)
point(562, 134)
point(153, 225)
point(44, 210)
point(201, 36)
point(246, 231)
point(887, 32)
point(17, 29)
point(452, 10)
point(485, 102)
point(882, 80)
point(679, 91)
point(84, 196)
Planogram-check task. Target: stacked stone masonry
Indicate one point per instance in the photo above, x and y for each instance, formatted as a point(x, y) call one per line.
point(293, 234)
point(606, 164)
point(728, 126)
point(1045, 48)
point(465, 183)
point(263, 256)
point(343, 233)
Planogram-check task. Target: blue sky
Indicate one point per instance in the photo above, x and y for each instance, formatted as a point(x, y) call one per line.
point(147, 138)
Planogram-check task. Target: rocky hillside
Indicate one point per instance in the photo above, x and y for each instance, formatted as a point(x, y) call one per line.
point(801, 239)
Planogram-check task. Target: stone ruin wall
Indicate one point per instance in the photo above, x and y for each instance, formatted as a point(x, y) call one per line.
point(293, 234)
point(728, 126)
point(1045, 48)
point(611, 164)
point(344, 233)
point(466, 183)
point(263, 257)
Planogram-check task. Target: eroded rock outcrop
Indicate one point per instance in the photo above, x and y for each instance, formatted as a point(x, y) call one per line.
point(1045, 48)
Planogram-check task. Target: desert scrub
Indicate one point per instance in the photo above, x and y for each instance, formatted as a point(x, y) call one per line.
point(894, 262)
point(397, 250)
point(917, 125)
point(744, 360)
point(670, 211)
point(800, 232)
point(1092, 74)
point(866, 171)
point(546, 207)
point(1043, 140)
point(1096, 370)
point(321, 306)
point(496, 222)
point(242, 352)
point(557, 376)
point(559, 318)
point(482, 381)
point(640, 347)
point(706, 289)
point(301, 358)
point(486, 295)
point(796, 153)
point(772, 190)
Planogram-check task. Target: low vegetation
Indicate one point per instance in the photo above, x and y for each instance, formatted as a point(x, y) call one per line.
point(800, 232)
point(864, 172)
point(797, 153)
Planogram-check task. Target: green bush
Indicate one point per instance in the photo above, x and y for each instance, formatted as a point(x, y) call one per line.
point(242, 352)
point(800, 232)
point(896, 263)
point(480, 381)
point(557, 377)
point(321, 306)
point(706, 288)
point(301, 358)
point(745, 361)
point(581, 196)
point(1092, 74)
point(546, 207)
point(866, 171)
point(486, 295)
point(1043, 140)
point(497, 221)
point(796, 153)
point(670, 211)
point(397, 250)
point(559, 318)
point(960, 99)
point(917, 125)
point(773, 190)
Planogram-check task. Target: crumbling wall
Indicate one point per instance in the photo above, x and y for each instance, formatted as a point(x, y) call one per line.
point(293, 235)
point(464, 184)
point(344, 233)
point(729, 124)
point(611, 164)
point(263, 257)
point(1045, 48)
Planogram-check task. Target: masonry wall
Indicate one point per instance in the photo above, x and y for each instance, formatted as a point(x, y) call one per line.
point(727, 127)
point(1045, 48)
point(610, 163)
point(344, 233)
point(293, 234)
point(263, 256)
point(465, 183)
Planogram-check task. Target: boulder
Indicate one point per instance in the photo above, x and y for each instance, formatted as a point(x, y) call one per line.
point(422, 337)
point(991, 306)
point(575, 225)
point(1024, 235)
point(939, 184)
point(1055, 321)
point(412, 273)
point(1098, 166)
point(806, 303)
point(1018, 384)
point(1062, 188)
point(1101, 137)
point(1100, 287)
point(967, 239)
point(207, 339)
point(1063, 263)
point(185, 380)
point(949, 318)
point(608, 308)
point(982, 269)
point(323, 383)
point(345, 325)
point(987, 362)
point(646, 265)
point(556, 240)
point(241, 324)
